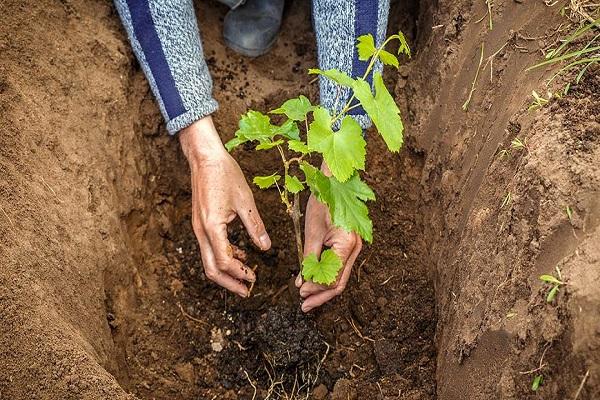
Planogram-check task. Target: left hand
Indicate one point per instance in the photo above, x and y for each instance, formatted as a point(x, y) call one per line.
point(318, 232)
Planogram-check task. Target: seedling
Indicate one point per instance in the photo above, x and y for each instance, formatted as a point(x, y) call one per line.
point(555, 283)
point(569, 212)
point(338, 139)
point(506, 200)
point(518, 144)
point(538, 101)
point(537, 381)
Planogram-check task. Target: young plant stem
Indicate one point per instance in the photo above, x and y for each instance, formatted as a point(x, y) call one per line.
point(293, 208)
point(296, 214)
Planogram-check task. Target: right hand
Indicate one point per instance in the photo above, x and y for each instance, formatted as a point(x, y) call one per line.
point(219, 193)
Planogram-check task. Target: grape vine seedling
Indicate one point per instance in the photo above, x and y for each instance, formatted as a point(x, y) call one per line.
point(338, 139)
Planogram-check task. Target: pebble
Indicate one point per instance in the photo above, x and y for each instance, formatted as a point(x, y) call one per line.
point(320, 392)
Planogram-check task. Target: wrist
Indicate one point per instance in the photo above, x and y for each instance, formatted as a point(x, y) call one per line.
point(201, 142)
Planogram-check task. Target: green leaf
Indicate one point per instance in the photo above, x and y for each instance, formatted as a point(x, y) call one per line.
point(345, 200)
point(550, 279)
point(317, 182)
point(289, 129)
point(335, 75)
point(269, 145)
point(382, 110)
point(344, 150)
point(366, 47)
point(233, 143)
point(537, 381)
point(265, 182)
point(388, 58)
point(293, 184)
point(552, 294)
point(298, 146)
point(254, 125)
point(403, 48)
point(295, 109)
point(322, 271)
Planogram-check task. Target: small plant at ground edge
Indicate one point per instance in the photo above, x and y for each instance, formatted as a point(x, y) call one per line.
point(537, 381)
point(555, 282)
point(338, 139)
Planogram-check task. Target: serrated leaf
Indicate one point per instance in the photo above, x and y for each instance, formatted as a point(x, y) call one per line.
point(388, 58)
point(345, 200)
point(348, 208)
point(403, 47)
point(382, 110)
point(233, 143)
point(344, 150)
point(298, 146)
point(552, 294)
point(293, 184)
point(295, 109)
point(289, 129)
point(366, 47)
point(254, 125)
point(316, 181)
point(550, 279)
point(265, 182)
point(335, 75)
point(269, 145)
point(323, 271)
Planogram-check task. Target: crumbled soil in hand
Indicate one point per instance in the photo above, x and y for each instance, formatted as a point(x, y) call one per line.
point(102, 290)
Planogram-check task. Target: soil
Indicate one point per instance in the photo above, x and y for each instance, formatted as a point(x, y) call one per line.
point(102, 294)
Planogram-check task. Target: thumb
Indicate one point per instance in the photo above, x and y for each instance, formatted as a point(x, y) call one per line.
point(254, 225)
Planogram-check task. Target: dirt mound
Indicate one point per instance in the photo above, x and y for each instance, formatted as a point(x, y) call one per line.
point(102, 294)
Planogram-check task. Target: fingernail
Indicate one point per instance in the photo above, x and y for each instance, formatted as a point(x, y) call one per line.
point(298, 281)
point(305, 308)
point(265, 241)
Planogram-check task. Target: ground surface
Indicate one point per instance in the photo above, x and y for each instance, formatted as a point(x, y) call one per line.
point(102, 294)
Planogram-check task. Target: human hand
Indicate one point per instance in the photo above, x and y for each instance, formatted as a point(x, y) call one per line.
point(318, 232)
point(219, 193)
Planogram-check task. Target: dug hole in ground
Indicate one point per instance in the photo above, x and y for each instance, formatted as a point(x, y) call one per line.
point(102, 294)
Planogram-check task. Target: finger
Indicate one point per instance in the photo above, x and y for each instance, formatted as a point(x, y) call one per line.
point(299, 281)
point(223, 255)
point(238, 253)
point(317, 300)
point(310, 288)
point(212, 272)
point(229, 283)
point(254, 225)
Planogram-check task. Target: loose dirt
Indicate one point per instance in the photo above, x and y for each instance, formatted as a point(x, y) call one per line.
point(102, 294)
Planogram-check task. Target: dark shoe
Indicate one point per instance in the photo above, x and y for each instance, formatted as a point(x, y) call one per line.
point(252, 28)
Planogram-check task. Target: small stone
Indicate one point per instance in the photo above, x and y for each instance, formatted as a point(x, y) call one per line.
point(343, 390)
point(382, 302)
point(185, 371)
point(176, 285)
point(403, 70)
point(217, 341)
point(320, 392)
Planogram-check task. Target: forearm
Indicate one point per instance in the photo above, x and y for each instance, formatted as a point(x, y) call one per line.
point(165, 39)
point(338, 24)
